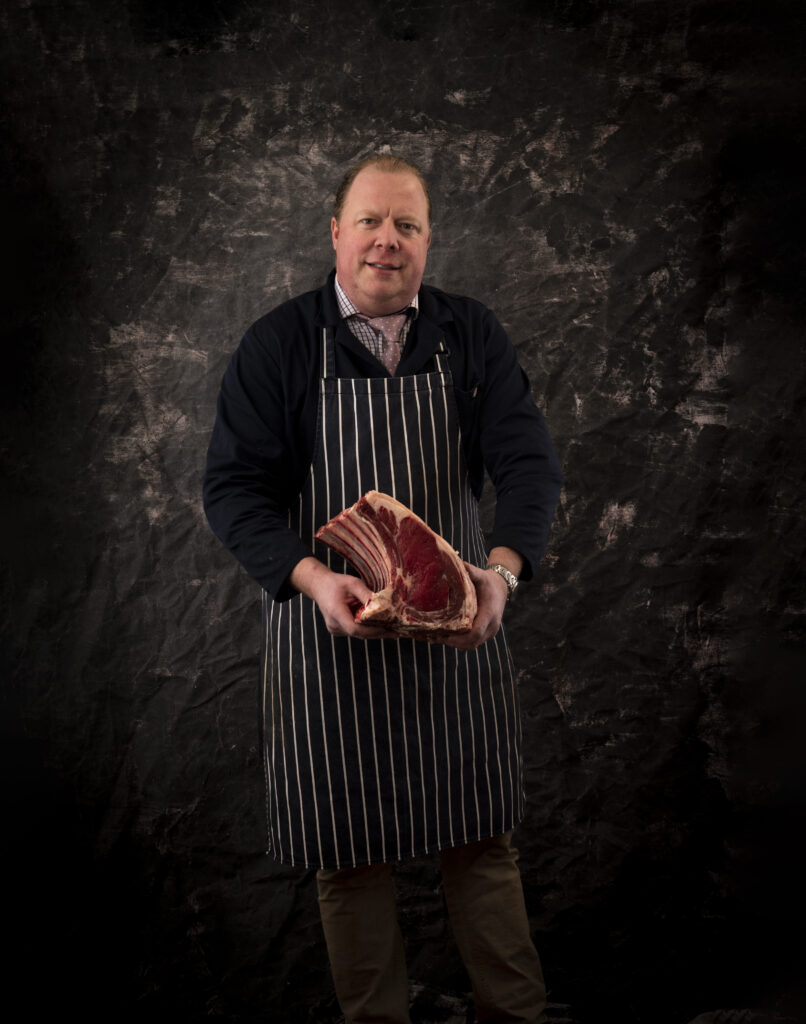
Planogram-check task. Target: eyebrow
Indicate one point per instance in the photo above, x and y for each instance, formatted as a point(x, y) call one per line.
point(370, 212)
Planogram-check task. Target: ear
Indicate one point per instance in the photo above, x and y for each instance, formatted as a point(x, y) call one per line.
point(334, 230)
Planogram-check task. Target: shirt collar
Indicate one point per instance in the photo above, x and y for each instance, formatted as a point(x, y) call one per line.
point(347, 309)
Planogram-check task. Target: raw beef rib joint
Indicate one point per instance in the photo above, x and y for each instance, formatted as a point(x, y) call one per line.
point(420, 585)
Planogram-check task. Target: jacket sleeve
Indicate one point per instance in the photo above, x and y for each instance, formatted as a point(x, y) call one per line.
point(254, 464)
point(517, 451)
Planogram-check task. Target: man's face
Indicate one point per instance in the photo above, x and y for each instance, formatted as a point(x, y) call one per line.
point(381, 240)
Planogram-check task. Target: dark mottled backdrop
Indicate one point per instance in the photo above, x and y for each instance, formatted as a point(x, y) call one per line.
point(623, 183)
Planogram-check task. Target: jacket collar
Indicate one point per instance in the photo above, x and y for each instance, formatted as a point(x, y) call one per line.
point(327, 308)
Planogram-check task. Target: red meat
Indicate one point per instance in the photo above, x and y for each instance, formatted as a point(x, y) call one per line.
point(421, 586)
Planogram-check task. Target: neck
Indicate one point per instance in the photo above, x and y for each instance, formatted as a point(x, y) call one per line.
point(369, 313)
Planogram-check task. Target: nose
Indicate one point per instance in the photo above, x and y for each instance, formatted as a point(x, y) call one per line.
point(386, 237)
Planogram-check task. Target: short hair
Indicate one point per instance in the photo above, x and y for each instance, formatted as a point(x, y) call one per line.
point(384, 162)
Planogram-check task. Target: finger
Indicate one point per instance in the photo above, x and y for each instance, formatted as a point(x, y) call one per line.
point(466, 642)
point(358, 589)
point(363, 632)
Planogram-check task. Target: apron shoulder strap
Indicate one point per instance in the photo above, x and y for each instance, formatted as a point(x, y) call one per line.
point(327, 354)
point(441, 356)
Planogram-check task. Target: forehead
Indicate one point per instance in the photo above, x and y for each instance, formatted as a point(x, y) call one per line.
point(399, 189)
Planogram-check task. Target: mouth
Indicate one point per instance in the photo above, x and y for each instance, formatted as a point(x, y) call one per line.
point(383, 266)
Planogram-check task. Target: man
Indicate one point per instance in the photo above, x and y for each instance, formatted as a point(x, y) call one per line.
point(378, 749)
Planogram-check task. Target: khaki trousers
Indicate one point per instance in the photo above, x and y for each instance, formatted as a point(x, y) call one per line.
point(487, 913)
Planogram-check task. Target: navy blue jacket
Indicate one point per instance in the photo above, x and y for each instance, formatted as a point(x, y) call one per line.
point(263, 439)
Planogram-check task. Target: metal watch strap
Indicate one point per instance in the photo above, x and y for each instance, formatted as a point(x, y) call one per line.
point(509, 578)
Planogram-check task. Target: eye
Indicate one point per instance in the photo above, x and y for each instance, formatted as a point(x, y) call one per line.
point(405, 226)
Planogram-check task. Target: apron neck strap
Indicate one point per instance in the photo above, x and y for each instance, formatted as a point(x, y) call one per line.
point(441, 356)
point(328, 353)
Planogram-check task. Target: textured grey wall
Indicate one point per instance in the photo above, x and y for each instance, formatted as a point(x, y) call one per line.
point(622, 182)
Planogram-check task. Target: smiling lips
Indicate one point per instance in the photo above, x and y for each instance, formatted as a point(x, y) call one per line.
point(382, 266)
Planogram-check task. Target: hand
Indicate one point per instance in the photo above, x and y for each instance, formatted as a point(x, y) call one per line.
point(491, 594)
point(337, 596)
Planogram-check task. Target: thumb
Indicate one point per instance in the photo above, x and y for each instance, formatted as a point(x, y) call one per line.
point(358, 589)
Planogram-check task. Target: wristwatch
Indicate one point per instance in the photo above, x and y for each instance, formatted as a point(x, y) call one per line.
point(510, 578)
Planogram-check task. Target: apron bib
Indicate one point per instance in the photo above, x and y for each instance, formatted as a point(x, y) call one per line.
point(381, 750)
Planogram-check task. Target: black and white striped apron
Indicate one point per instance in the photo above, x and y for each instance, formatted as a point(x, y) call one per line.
point(380, 750)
